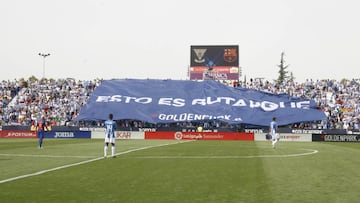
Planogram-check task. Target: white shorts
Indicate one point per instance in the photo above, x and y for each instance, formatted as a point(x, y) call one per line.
point(275, 136)
point(110, 140)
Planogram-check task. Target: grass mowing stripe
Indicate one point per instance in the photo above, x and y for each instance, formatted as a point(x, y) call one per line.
point(49, 170)
point(80, 163)
point(47, 156)
point(310, 152)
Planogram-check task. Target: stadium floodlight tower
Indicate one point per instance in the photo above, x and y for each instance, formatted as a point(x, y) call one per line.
point(44, 56)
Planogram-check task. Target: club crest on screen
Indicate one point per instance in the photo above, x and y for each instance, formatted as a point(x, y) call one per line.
point(230, 55)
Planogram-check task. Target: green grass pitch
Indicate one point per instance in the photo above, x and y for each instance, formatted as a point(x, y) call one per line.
point(73, 170)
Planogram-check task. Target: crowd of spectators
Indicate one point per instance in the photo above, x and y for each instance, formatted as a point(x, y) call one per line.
point(8, 90)
point(340, 100)
point(59, 101)
point(23, 102)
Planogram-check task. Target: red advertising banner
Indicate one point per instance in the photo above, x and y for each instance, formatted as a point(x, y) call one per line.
point(200, 135)
point(18, 134)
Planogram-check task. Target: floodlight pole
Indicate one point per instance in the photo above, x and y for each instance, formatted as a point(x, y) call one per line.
point(44, 56)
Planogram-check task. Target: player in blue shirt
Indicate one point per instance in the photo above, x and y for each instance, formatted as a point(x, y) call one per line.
point(274, 132)
point(41, 127)
point(110, 126)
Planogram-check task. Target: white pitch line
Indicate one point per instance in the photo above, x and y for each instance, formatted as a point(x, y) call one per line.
point(80, 163)
point(311, 151)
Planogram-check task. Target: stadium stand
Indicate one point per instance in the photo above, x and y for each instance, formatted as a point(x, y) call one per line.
point(340, 100)
point(60, 101)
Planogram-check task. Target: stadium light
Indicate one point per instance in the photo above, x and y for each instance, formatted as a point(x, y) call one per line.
point(44, 56)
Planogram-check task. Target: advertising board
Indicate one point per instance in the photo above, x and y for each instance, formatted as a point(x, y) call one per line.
point(336, 137)
point(200, 135)
point(18, 134)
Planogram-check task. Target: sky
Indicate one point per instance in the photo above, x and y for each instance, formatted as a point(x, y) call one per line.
point(89, 39)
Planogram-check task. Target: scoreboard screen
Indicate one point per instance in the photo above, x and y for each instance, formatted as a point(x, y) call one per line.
point(214, 62)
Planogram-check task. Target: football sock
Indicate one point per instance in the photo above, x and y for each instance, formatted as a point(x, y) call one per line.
point(113, 151)
point(105, 150)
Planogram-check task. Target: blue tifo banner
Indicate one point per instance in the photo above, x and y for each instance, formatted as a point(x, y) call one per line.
point(169, 101)
point(68, 134)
